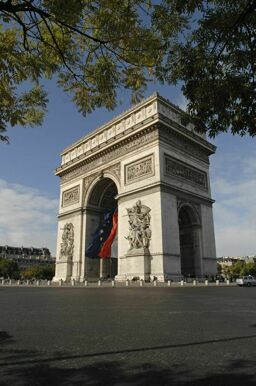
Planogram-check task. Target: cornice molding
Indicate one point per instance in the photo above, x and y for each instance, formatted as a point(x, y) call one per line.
point(154, 107)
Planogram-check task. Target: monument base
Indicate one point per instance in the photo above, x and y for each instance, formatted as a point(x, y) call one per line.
point(136, 265)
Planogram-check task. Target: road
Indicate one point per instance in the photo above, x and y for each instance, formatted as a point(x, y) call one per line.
point(128, 336)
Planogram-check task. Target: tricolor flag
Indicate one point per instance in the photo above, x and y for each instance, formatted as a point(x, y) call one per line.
point(104, 237)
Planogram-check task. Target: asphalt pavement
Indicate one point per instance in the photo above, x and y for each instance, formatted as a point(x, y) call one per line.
point(128, 336)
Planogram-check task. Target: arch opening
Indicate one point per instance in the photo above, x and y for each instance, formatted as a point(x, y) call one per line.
point(189, 242)
point(101, 201)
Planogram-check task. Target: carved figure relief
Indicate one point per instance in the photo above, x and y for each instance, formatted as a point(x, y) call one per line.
point(71, 196)
point(67, 245)
point(139, 226)
point(185, 172)
point(139, 169)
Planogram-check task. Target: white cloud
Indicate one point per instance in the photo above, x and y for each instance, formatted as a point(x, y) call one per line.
point(182, 102)
point(234, 186)
point(27, 217)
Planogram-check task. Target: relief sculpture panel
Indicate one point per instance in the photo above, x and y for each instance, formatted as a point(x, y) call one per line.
point(71, 196)
point(139, 169)
point(139, 226)
point(187, 173)
point(67, 245)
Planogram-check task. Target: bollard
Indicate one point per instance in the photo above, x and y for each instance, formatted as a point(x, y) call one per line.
point(73, 283)
point(182, 282)
point(85, 283)
point(28, 282)
point(99, 283)
point(113, 283)
point(38, 282)
point(127, 283)
point(217, 282)
point(49, 282)
point(194, 282)
point(10, 281)
point(18, 282)
point(228, 282)
point(2, 281)
point(60, 282)
point(169, 283)
point(155, 283)
point(141, 283)
point(206, 282)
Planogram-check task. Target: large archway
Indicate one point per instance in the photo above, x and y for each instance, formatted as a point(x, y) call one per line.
point(189, 233)
point(101, 200)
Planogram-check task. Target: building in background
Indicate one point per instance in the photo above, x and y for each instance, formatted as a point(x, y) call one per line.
point(27, 256)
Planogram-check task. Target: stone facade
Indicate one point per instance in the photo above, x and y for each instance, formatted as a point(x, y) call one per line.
point(156, 171)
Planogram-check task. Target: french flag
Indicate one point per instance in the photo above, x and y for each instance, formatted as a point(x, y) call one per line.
point(104, 237)
point(105, 251)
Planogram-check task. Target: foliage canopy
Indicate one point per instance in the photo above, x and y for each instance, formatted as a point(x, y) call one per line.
point(95, 47)
point(9, 269)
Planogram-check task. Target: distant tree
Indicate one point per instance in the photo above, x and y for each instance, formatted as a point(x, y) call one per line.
point(9, 269)
point(39, 272)
point(94, 47)
point(249, 269)
point(219, 269)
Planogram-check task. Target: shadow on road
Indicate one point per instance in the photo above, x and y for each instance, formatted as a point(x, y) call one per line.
point(60, 357)
point(24, 367)
point(115, 373)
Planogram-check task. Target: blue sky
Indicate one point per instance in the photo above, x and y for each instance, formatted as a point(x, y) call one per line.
point(29, 191)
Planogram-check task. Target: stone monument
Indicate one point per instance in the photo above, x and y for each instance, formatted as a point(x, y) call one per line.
point(155, 171)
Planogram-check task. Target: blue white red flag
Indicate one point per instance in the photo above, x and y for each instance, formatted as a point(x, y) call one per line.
point(105, 252)
point(102, 234)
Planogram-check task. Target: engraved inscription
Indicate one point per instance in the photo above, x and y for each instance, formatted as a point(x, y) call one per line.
point(71, 196)
point(139, 169)
point(180, 170)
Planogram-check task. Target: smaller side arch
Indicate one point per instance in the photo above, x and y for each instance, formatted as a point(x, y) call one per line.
point(190, 240)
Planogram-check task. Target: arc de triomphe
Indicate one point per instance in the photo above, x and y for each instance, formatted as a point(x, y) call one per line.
point(155, 171)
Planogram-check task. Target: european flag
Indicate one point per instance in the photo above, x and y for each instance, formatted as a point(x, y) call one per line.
point(100, 236)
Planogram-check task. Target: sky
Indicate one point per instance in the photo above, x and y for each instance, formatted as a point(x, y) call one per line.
point(29, 190)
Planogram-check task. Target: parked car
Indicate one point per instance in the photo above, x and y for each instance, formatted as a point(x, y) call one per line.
point(246, 281)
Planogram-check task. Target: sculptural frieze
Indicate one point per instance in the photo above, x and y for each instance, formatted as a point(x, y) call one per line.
point(180, 170)
point(139, 226)
point(67, 245)
point(139, 169)
point(135, 142)
point(71, 196)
